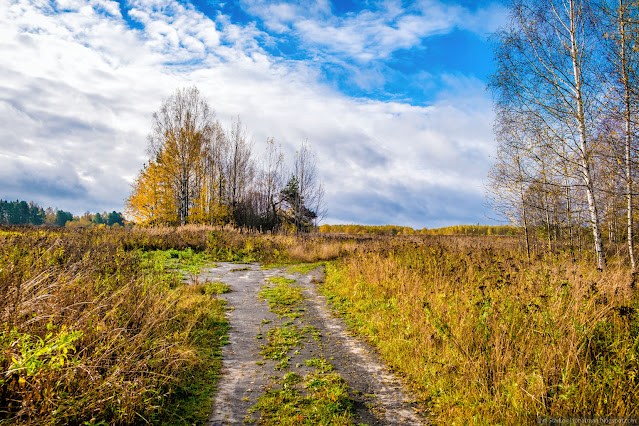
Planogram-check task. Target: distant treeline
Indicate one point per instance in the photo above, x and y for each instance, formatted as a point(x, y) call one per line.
point(404, 230)
point(23, 213)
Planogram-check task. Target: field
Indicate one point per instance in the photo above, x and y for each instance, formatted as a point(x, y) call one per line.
point(98, 326)
point(484, 336)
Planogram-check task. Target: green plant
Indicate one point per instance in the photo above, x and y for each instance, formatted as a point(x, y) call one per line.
point(39, 354)
point(320, 363)
point(216, 287)
point(305, 268)
point(284, 299)
point(315, 399)
point(280, 341)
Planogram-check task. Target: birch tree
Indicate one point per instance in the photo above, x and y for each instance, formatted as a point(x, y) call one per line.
point(271, 182)
point(199, 173)
point(620, 19)
point(181, 131)
point(546, 67)
point(509, 179)
point(240, 169)
point(310, 188)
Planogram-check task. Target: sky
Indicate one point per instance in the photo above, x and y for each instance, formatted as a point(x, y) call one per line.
point(391, 96)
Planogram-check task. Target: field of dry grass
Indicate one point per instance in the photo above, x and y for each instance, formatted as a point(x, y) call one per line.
point(98, 328)
point(92, 331)
point(485, 336)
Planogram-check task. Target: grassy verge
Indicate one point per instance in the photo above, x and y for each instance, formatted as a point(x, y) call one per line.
point(305, 268)
point(93, 330)
point(184, 261)
point(486, 338)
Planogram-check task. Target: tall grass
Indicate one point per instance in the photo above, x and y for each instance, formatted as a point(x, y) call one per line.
point(91, 333)
point(94, 328)
point(485, 337)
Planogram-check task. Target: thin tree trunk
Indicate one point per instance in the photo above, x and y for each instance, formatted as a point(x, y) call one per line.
point(547, 208)
point(628, 138)
point(523, 213)
point(569, 218)
point(585, 160)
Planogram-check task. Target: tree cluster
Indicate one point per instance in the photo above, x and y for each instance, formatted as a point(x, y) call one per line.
point(88, 220)
point(565, 96)
point(405, 230)
point(200, 172)
point(21, 213)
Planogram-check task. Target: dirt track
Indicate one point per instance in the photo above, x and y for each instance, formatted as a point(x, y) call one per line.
point(377, 395)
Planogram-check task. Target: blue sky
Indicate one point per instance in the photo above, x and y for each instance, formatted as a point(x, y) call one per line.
point(390, 94)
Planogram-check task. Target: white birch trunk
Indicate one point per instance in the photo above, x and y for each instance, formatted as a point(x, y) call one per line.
point(628, 119)
point(583, 142)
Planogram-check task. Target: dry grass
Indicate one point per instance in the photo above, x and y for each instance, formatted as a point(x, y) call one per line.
point(94, 329)
point(486, 337)
point(90, 334)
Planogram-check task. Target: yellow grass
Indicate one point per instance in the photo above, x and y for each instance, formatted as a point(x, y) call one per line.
point(485, 337)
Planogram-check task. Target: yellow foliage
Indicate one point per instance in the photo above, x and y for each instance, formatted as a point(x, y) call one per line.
point(152, 200)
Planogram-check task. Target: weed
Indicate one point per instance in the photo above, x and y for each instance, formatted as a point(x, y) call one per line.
point(305, 268)
point(283, 364)
point(187, 260)
point(280, 341)
point(284, 299)
point(317, 336)
point(317, 398)
point(320, 363)
point(216, 287)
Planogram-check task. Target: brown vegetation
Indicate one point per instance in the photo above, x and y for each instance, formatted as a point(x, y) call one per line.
point(91, 332)
point(94, 329)
point(485, 336)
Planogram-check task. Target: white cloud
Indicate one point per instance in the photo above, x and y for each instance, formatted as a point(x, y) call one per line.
point(374, 33)
point(78, 89)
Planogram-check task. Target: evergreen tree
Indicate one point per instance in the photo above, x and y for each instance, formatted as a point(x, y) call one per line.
point(115, 217)
point(62, 217)
point(97, 219)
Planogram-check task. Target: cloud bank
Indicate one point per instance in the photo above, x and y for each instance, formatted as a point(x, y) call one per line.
point(80, 80)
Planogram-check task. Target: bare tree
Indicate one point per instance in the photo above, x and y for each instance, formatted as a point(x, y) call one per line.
point(214, 177)
point(271, 182)
point(311, 189)
point(240, 170)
